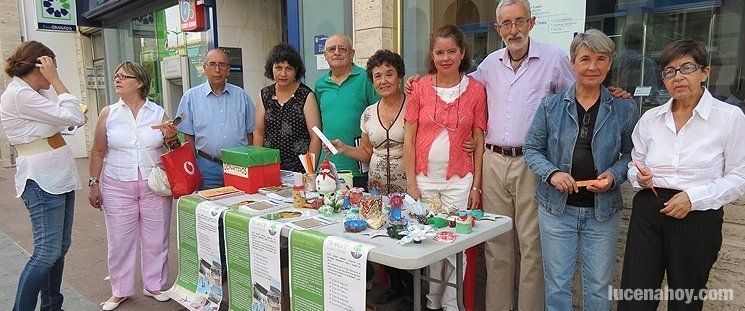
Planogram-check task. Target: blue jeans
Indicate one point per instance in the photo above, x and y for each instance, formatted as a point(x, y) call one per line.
point(211, 173)
point(51, 222)
point(577, 230)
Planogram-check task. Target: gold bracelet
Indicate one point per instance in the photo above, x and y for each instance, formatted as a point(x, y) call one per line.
point(477, 189)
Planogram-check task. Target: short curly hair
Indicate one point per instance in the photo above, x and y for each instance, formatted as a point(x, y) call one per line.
point(386, 57)
point(284, 52)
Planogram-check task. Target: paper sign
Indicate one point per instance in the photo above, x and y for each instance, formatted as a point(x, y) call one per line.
point(642, 90)
point(325, 140)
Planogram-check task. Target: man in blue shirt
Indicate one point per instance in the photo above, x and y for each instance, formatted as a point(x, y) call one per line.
point(216, 115)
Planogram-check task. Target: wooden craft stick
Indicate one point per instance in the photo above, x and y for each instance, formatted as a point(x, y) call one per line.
point(593, 182)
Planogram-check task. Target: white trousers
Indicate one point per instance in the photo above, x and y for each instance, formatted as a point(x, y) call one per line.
point(452, 192)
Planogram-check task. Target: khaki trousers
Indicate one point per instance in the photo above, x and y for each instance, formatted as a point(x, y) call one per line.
point(509, 189)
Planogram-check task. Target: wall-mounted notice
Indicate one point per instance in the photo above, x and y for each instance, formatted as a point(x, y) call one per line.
point(558, 21)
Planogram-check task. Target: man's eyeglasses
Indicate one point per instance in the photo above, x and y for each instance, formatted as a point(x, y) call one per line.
point(507, 26)
point(121, 76)
point(337, 48)
point(213, 65)
point(687, 68)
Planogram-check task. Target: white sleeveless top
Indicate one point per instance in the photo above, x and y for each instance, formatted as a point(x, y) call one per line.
point(125, 158)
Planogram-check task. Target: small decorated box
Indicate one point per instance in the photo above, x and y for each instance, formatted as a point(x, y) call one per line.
point(251, 167)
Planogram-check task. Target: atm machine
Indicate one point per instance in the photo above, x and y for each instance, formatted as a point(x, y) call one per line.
point(175, 81)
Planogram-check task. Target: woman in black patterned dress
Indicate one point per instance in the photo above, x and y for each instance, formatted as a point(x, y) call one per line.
point(288, 109)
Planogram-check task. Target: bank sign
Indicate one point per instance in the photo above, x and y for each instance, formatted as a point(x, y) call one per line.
point(192, 15)
point(56, 15)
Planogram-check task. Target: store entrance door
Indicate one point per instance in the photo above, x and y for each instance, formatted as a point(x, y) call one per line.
point(175, 81)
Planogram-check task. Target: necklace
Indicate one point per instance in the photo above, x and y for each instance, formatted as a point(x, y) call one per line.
point(457, 106)
point(509, 54)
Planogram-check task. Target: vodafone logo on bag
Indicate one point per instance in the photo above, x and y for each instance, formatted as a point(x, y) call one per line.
point(189, 167)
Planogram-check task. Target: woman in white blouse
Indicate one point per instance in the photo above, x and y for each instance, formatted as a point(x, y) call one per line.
point(690, 163)
point(134, 213)
point(46, 176)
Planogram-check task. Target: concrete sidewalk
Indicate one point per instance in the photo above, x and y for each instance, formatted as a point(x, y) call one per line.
point(84, 286)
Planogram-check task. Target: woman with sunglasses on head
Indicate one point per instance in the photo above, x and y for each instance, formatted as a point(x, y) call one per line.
point(46, 177)
point(135, 215)
point(444, 109)
point(690, 162)
point(581, 134)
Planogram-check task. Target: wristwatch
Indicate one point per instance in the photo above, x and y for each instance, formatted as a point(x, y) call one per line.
point(92, 181)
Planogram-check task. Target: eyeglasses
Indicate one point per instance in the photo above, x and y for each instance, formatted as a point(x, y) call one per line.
point(121, 76)
point(220, 65)
point(585, 129)
point(337, 48)
point(507, 26)
point(687, 68)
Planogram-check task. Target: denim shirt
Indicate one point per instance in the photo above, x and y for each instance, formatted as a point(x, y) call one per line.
point(549, 147)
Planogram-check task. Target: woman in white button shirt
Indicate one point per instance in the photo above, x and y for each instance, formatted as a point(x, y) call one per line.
point(134, 213)
point(46, 176)
point(690, 163)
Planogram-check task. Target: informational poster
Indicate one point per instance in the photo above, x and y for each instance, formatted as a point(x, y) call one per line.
point(266, 271)
point(238, 259)
point(199, 284)
point(344, 274)
point(558, 21)
point(326, 273)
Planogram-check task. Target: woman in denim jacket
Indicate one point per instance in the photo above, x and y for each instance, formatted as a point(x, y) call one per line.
point(582, 133)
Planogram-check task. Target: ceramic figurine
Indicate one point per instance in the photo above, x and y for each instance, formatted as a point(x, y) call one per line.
point(396, 221)
point(371, 210)
point(326, 179)
point(416, 233)
point(464, 222)
point(334, 200)
point(396, 202)
point(354, 195)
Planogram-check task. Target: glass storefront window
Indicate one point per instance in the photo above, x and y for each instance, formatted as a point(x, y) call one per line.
point(149, 38)
point(474, 18)
point(640, 29)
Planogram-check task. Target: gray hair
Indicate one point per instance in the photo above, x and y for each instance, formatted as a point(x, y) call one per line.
point(508, 2)
point(344, 37)
point(594, 40)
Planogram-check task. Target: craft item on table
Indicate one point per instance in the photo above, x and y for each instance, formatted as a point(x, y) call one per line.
point(416, 233)
point(326, 179)
point(445, 236)
point(371, 210)
point(298, 197)
point(219, 193)
point(396, 221)
point(335, 200)
point(436, 206)
point(283, 215)
point(257, 206)
point(354, 195)
point(251, 167)
point(464, 223)
point(308, 160)
point(355, 225)
point(477, 214)
point(326, 210)
point(309, 181)
point(312, 222)
point(437, 222)
point(451, 221)
point(593, 182)
point(416, 209)
point(376, 233)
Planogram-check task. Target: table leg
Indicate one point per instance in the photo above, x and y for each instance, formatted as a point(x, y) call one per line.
point(417, 289)
point(459, 279)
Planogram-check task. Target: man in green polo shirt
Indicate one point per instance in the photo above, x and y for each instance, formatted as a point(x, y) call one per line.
point(343, 94)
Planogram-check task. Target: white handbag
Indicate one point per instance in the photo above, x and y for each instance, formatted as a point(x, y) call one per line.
point(157, 180)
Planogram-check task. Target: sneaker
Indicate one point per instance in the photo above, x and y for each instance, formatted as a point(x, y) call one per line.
point(110, 304)
point(159, 297)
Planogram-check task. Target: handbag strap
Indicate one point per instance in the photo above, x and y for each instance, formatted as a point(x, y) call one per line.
point(130, 120)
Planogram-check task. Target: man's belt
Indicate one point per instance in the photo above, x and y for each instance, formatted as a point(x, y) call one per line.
point(506, 151)
point(40, 145)
point(209, 156)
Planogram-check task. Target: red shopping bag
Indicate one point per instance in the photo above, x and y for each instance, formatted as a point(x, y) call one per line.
point(182, 171)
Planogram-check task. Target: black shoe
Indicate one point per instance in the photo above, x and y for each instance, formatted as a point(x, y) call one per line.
point(387, 297)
